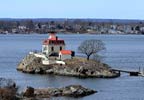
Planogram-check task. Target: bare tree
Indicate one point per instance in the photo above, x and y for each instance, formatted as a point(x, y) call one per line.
point(90, 47)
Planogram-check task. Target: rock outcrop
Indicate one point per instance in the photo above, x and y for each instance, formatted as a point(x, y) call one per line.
point(71, 91)
point(77, 66)
point(7, 89)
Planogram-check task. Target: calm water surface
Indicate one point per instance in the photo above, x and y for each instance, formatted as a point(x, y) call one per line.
point(123, 51)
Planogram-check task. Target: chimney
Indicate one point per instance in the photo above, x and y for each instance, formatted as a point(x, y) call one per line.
point(56, 38)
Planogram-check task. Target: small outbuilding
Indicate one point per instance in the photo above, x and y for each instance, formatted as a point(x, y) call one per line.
point(65, 54)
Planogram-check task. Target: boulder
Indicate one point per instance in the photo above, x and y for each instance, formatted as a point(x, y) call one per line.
point(82, 70)
point(40, 71)
point(55, 92)
point(49, 71)
point(77, 91)
point(29, 92)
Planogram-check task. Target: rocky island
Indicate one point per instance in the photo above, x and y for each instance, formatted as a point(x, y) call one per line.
point(80, 67)
point(54, 59)
point(8, 91)
point(69, 91)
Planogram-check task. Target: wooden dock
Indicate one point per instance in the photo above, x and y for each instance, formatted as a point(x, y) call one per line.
point(131, 73)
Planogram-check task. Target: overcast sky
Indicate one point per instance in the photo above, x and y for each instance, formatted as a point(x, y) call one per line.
point(105, 9)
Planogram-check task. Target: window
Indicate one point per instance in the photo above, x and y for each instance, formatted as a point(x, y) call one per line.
point(52, 48)
point(60, 48)
point(44, 48)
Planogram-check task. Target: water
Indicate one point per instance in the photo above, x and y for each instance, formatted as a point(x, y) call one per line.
point(123, 51)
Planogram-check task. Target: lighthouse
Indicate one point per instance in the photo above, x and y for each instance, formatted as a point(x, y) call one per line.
point(52, 45)
point(53, 51)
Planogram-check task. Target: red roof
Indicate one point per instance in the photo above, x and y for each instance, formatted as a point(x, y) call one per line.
point(66, 52)
point(53, 40)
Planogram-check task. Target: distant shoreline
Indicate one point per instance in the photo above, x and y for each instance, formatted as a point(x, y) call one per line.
point(66, 26)
point(65, 34)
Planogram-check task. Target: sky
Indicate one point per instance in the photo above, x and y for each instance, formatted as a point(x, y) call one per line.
point(103, 9)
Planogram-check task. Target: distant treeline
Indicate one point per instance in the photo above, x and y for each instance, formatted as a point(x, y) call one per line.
point(94, 26)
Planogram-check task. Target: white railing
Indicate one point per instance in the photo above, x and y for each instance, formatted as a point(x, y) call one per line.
point(45, 60)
